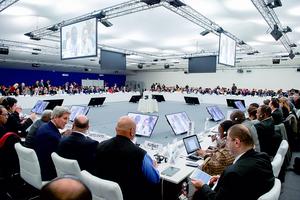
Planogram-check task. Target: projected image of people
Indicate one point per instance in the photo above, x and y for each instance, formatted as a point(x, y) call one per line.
point(72, 45)
point(144, 123)
point(179, 122)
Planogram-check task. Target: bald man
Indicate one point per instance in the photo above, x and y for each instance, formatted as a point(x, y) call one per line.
point(65, 189)
point(250, 175)
point(120, 160)
point(78, 146)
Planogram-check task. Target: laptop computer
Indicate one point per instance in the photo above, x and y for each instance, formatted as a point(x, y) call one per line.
point(39, 107)
point(191, 144)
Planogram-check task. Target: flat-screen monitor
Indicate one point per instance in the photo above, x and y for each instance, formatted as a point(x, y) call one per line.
point(112, 60)
point(144, 123)
point(230, 102)
point(227, 50)
point(78, 110)
point(203, 64)
point(53, 103)
point(158, 97)
point(96, 101)
point(79, 39)
point(179, 122)
point(191, 100)
point(215, 113)
point(39, 107)
point(240, 106)
point(135, 98)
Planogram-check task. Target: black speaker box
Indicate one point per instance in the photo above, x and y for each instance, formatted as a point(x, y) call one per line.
point(298, 69)
point(276, 61)
point(4, 50)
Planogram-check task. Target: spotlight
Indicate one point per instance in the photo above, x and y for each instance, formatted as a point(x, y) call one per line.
point(151, 2)
point(100, 15)
point(220, 30)
point(176, 3)
point(140, 66)
point(277, 34)
point(106, 23)
point(274, 3)
point(53, 28)
point(205, 32)
point(291, 55)
point(35, 38)
point(241, 42)
point(167, 66)
point(287, 29)
point(293, 45)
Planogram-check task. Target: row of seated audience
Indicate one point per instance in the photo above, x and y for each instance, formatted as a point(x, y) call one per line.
point(221, 90)
point(40, 88)
point(118, 159)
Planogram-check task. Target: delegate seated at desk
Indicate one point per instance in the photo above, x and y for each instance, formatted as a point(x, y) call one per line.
point(249, 177)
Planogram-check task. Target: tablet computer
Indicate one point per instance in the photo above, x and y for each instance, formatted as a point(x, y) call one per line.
point(200, 175)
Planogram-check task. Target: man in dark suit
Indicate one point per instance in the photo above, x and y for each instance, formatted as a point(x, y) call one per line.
point(277, 114)
point(47, 139)
point(78, 146)
point(249, 177)
point(269, 139)
point(120, 160)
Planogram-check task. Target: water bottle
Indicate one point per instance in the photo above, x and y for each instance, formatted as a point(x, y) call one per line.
point(206, 125)
point(191, 129)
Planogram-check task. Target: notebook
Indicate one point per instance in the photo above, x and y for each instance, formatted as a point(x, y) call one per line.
point(191, 145)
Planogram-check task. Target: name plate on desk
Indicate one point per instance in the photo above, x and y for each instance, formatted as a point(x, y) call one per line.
point(152, 145)
point(98, 136)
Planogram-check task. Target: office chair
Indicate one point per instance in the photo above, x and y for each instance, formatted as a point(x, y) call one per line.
point(274, 193)
point(276, 164)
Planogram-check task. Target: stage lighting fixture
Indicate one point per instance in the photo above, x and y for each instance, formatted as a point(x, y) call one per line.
point(297, 53)
point(287, 29)
point(100, 15)
point(35, 65)
point(140, 66)
point(293, 45)
point(205, 32)
point(35, 38)
point(220, 30)
point(274, 3)
point(151, 2)
point(167, 66)
point(291, 55)
point(29, 34)
point(176, 3)
point(53, 28)
point(241, 42)
point(34, 53)
point(106, 23)
point(277, 34)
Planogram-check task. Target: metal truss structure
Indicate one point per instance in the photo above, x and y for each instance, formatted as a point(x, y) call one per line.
point(271, 18)
point(50, 32)
point(6, 3)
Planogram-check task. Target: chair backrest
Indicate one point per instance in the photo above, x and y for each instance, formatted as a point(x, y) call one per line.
point(293, 123)
point(281, 129)
point(298, 113)
point(64, 166)
point(102, 189)
point(283, 148)
point(274, 193)
point(29, 166)
point(276, 164)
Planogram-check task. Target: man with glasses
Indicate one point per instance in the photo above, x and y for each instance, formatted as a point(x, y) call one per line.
point(3, 120)
point(249, 177)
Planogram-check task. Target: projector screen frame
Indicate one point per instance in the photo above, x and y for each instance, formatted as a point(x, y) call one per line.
point(96, 40)
point(222, 62)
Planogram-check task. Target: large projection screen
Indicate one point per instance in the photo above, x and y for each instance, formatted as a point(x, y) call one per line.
point(227, 48)
point(79, 40)
point(202, 64)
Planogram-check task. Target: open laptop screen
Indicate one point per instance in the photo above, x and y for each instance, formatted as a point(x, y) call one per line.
point(179, 122)
point(39, 107)
point(191, 144)
point(240, 106)
point(144, 123)
point(78, 110)
point(215, 113)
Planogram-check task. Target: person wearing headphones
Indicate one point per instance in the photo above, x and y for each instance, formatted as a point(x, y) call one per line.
point(120, 160)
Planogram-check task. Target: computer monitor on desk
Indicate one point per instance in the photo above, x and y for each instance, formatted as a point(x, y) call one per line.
point(144, 123)
point(96, 101)
point(230, 102)
point(135, 98)
point(179, 122)
point(215, 113)
point(158, 97)
point(240, 106)
point(39, 107)
point(53, 103)
point(191, 100)
point(78, 110)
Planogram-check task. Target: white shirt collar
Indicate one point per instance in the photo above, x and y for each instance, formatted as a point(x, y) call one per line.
point(238, 157)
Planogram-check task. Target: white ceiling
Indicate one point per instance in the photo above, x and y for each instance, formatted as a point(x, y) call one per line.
point(156, 31)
